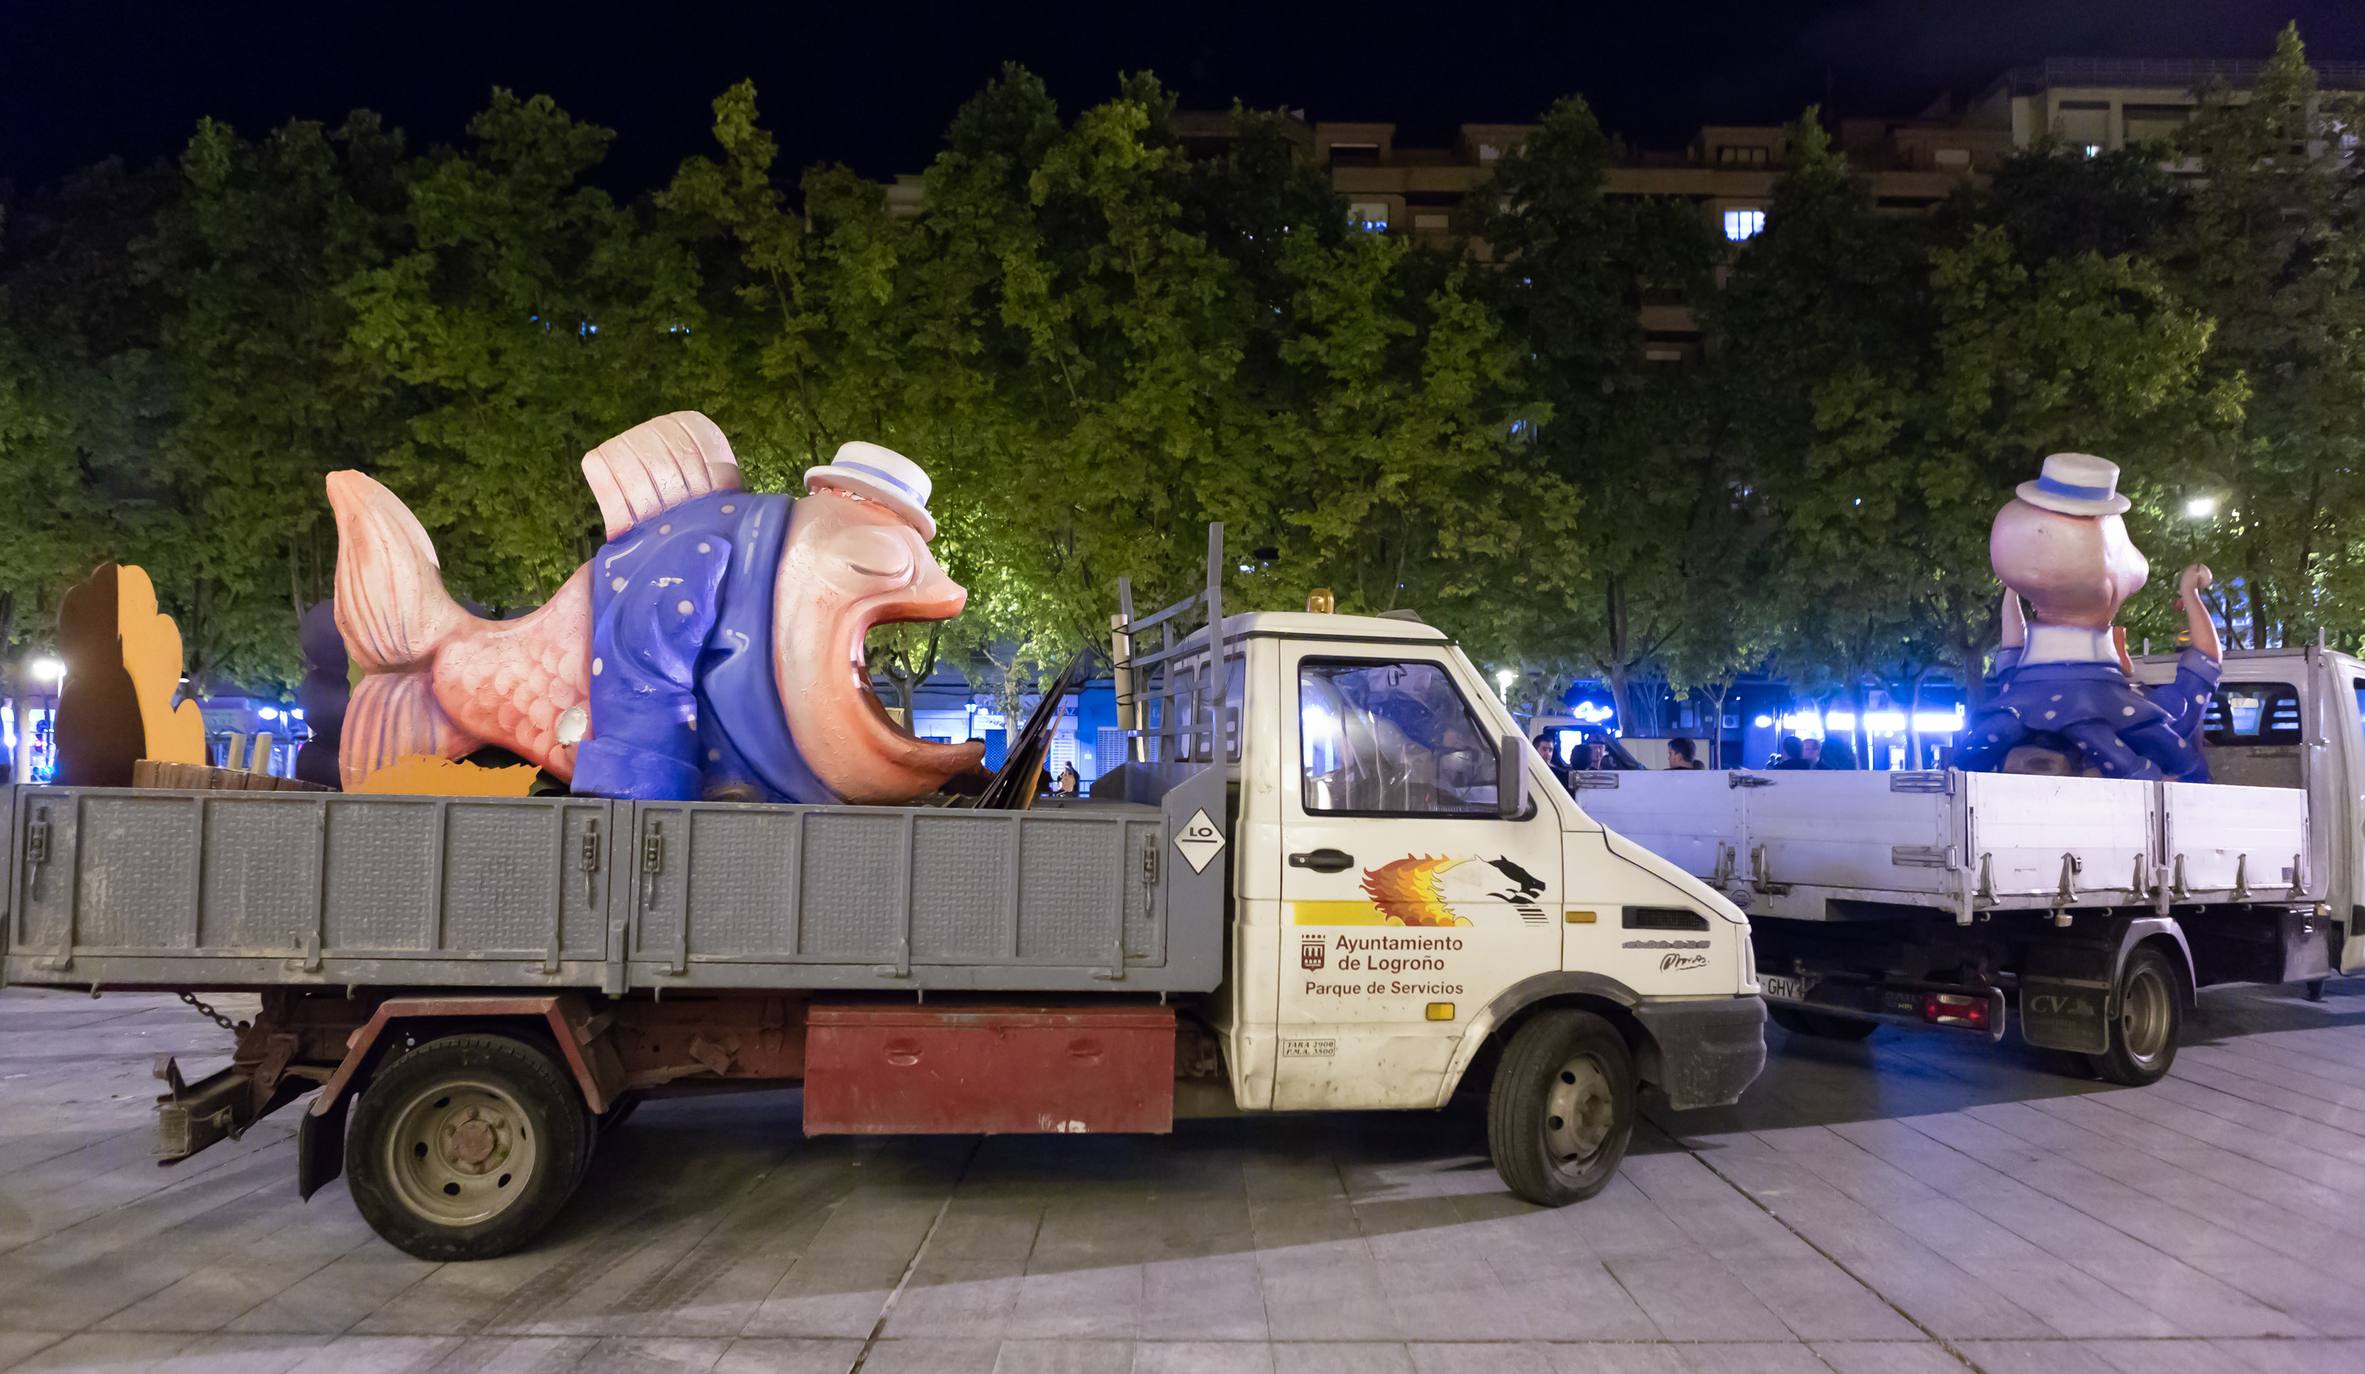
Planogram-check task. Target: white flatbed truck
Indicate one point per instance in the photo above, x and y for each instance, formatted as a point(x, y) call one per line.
point(1334, 878)
point(2087, 911)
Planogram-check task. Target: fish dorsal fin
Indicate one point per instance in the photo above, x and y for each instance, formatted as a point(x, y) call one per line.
point(656, 465)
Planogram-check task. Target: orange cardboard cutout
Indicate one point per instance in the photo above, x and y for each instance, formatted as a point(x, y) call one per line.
point(123, 668)
point(152, 656)
point(422, 775)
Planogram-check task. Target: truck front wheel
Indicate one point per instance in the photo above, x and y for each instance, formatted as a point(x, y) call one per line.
point(466, 1147)
point(2143, 1033)
point(1562, 1107)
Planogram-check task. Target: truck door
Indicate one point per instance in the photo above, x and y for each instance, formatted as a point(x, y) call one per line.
point(1407, 902)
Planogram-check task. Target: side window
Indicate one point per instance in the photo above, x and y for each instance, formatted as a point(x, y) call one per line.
point(1391, 738)
point(2357, 685)
point(2253, 713)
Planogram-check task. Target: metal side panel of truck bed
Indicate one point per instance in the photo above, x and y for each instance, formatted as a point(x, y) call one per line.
point(1827, 845)
point(219, 889)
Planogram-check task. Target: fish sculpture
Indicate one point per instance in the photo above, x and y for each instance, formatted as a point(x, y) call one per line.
point(713, 648)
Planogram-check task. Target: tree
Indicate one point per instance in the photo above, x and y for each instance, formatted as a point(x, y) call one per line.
point(1614, 431)
point(532, 318)
point(253, 249)
point(84, 398)
point(2271, 249)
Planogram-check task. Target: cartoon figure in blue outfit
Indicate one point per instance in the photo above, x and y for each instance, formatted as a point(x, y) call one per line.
point(727, 628)
point(2064, 680)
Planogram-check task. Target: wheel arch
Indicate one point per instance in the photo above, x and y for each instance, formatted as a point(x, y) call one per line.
point(2166, 935)
point(558, 1020)
point(1514, 1006)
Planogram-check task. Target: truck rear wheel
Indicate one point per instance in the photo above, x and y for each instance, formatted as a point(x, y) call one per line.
point(2150, 1014)
point(1821, 1025)
point(466, 1147)
point(1562, 1108)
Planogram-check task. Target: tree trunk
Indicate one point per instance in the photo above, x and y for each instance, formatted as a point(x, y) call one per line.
point(1613, 594)
point(1861, 737)
point(12, 682)
point(15, 679)
point(1913, 712)
point(1715, 730)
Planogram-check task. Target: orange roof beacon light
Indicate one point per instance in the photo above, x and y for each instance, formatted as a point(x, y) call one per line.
point(1320, 602)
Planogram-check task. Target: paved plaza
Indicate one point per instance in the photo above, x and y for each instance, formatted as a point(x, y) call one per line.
point(1918, 1203)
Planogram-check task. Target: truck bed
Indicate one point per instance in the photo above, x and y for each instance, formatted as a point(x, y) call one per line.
point(119, 887)
point(1830, 846)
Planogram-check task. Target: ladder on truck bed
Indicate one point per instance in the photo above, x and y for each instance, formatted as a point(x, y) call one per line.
point(1178, 703)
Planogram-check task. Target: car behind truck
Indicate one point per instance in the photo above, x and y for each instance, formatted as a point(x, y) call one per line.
point(2086, 910)
point(1332, 877)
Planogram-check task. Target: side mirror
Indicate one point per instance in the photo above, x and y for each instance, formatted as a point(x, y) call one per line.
point(1511, 778)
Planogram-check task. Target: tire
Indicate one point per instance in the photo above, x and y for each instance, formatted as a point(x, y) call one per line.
point(1562, 1107)
point(466, 1147)
point(2150, 1002)
point(1821, 1025)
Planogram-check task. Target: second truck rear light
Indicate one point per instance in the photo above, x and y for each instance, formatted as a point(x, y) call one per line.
point(1955, 1009)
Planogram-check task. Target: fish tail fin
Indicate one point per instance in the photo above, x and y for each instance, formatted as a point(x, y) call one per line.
point(392, 608)
point(394, 716)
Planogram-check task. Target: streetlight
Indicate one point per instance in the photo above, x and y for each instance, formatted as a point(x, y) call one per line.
point(48, 669)
point(2200, 507)
point(1503, 677)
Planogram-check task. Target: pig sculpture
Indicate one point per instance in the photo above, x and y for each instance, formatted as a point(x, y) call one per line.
point(2064, 680)
point(712, 648)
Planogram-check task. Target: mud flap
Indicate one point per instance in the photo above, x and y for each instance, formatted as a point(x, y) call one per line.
point(320, 1148)
point(2065, 1014)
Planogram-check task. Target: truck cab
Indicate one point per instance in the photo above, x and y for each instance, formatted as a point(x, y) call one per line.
point(1415, 898)
point(2295, 719)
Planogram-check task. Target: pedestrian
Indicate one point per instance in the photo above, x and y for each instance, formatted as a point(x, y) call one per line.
point(1836, 754)
point(1682, 755)
point(1793, 757)
point(1593, 756)
point(1548, 745)
point(1069, 780)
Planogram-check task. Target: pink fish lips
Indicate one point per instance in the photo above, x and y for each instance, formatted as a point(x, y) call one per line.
point(713, 648)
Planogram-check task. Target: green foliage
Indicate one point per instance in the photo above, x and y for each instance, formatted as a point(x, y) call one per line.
point(1097, 337)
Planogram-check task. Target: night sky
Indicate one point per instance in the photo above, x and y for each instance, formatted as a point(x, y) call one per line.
point(872, 83)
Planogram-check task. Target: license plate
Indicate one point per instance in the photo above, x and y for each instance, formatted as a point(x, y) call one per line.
point(1783, 986)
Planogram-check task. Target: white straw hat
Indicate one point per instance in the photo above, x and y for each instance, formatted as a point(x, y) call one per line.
point(879, 474)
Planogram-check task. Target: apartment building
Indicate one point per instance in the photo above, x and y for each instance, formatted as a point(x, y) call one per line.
point(1423, 190)
point(2109, 103)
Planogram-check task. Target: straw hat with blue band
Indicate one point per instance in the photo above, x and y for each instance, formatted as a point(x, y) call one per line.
point(879, 474)
point(2076, 484)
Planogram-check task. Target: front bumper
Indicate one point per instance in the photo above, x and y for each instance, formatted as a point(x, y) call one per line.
point(1707, 1051)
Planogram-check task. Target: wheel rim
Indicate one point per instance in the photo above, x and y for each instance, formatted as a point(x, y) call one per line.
point(461, 1152)
point(1580, 1110)
point(2144, 1015)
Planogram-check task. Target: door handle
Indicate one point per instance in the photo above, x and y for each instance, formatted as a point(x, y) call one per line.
point(1323, 860)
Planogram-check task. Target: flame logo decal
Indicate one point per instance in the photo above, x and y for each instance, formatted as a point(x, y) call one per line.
point(1407, 891)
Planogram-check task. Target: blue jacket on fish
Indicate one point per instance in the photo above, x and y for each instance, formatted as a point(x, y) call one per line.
point(684, 700)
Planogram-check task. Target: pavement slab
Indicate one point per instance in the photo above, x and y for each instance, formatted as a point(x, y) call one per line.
point(1913, 1204)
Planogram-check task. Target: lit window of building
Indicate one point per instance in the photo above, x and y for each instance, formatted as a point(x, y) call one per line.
point(1371, 216)
point(1743, 224)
